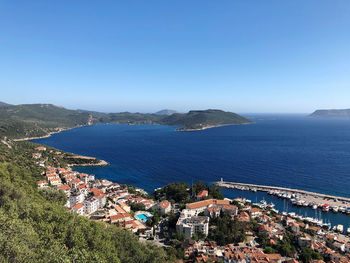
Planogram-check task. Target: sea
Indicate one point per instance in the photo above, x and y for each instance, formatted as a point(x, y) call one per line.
point(293, 151)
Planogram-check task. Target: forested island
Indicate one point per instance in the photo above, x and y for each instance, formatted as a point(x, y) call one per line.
point(38, 120)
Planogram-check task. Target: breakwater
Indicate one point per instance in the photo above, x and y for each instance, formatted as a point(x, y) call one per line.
point(297, 196)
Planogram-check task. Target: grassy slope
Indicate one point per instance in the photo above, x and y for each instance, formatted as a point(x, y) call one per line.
point(35, 229)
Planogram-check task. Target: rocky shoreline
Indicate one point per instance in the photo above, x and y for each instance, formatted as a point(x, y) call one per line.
point(58, 130)
point(210, 126)
point(44, 136)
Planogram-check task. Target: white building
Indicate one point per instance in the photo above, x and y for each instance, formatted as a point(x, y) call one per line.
point(78, 208)
point(164, 207)
point(101, 200)
point(124, 206)
point(65, 188)
point(201, 206)
point(75, 199)
point(55, 181)
point(193, 225)
point(42, 183)
point(91, 205)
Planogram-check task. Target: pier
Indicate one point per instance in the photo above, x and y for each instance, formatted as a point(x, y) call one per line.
point(304, 198)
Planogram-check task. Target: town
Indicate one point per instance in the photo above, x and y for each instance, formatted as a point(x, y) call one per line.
point(195, 223)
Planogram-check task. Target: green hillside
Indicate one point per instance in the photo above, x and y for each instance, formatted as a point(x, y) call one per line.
point(3, 104)
point(30, 120)
point(35, 227)
point(204, 119)
point(34, 120)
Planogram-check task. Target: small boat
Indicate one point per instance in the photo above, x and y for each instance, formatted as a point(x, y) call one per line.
point(314, 206)
point(340, 228)
point(335, 209)
point(309, 219)
point(291, 214)
point(342, 209)
point(325, 207)
point(348, 231)
point(271, 205)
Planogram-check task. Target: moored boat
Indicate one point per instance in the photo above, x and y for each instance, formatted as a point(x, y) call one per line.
point(340, 228)
point(325, 207)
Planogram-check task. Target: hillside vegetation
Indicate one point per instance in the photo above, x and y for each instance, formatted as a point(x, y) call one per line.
point(35, 120)
point(203, 119)
point(35, 227)
point(31, 120)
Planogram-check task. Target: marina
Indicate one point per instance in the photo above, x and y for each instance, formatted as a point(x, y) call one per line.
point(281, 202)
point(297, 197)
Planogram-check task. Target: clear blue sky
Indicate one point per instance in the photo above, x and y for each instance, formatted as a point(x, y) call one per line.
point(242, 56)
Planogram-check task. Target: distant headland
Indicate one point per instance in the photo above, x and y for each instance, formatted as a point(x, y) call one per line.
point(333, 113)
point(28, 121)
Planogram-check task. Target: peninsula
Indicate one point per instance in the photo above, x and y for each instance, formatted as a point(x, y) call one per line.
point(28, 121)
point(342, 113)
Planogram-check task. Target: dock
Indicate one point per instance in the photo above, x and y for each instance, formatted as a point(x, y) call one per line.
point(306, 197)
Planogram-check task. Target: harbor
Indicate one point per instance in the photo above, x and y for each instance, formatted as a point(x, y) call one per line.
point(308, 206)
point(296, 196)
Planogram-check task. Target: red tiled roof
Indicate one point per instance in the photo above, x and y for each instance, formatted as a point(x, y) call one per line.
point(40, 148)
point(164, 204)
point(75, 181)
point(55, 179)
point(254, 210)
point(203, 193)
point(64, 187)
point(42, 182)
point(78, 206)
point(82, 186)
point(204, 203)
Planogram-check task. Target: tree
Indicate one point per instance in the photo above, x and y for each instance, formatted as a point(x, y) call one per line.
point(307, 254)
point(137, 207)
point(269, 250)
point(54, 195)
point(178, 192)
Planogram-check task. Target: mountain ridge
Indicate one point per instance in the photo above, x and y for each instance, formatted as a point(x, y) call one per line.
point(36, 120)
point(165, 112)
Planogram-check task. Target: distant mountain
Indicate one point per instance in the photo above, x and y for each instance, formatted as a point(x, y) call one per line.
point(332, 113)
point(165, 112)
point(35, 120)
point(31, 120)
point(3, 104)
point(203, 119)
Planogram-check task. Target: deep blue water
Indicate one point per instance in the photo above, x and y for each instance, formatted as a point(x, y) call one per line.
point(284, 150)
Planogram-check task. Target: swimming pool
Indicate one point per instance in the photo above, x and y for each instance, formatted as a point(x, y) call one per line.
point(142, 217)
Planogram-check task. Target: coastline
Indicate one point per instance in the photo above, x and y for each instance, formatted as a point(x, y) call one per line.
point(59, 130)
point(47, 135)
point(221, 184)
point(101, 163)
point(212, 126)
